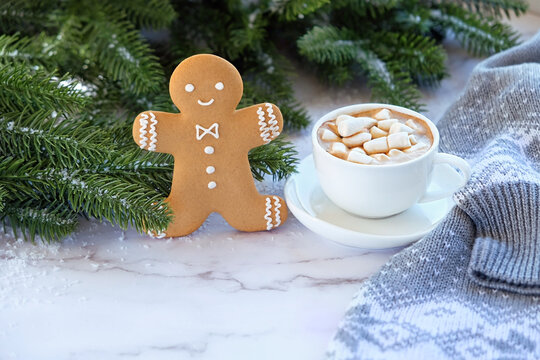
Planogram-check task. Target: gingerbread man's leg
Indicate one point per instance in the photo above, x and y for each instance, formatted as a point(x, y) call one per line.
point(256, 212)
point(188, 215)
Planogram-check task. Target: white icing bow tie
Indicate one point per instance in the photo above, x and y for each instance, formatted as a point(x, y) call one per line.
point(212, 130)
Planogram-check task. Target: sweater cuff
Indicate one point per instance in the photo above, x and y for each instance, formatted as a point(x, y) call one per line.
point(506, 252)
point(498, 265)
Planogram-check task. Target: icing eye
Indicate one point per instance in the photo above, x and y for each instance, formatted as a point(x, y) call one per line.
point(219, 86)
point(189, 87)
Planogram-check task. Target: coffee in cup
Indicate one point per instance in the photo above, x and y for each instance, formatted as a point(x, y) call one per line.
point(376, 137)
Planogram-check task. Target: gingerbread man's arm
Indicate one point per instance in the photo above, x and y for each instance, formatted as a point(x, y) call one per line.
point(154, 131)
point(261, 123)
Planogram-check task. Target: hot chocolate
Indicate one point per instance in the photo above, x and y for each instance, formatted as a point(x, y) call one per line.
point(376, 137)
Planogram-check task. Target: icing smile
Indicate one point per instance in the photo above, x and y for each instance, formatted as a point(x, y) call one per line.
point(209, 102)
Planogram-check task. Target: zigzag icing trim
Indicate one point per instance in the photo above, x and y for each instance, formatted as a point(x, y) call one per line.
point(143, 122)
point(277, 205)
point(274, 128)
point(263, 128)
point(153, 132)
point(268, 216)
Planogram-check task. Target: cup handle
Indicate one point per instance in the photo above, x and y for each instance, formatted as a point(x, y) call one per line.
point(457, 163)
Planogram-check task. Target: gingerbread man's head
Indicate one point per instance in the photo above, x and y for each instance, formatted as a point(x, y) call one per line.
point(205, 82)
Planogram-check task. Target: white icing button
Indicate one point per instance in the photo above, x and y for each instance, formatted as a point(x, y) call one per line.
point(211, 184)
point(210, 170)
point(209, 150)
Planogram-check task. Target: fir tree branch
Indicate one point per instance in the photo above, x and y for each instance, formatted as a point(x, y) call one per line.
point(417, 55)
point(247, 34)
point(124, 57)
point(334, 47)
point(205, 27)
point(3, 196)
point(121, 202)
point(372, 8)
point(479, 36)
point(130, 163)
point(14, 49)
point(65, 143)
point(51, 222)
point(155, 14)
point(18, 179)
point(277, 158)
point(25, 88)
point(26, 15)
point(329, 45)
point(290, 10)
point(495, 8)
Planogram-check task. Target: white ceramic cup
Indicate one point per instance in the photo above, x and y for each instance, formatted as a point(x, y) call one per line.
point(376, 191)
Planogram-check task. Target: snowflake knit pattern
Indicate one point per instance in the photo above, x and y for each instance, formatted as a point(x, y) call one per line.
point(471, 288)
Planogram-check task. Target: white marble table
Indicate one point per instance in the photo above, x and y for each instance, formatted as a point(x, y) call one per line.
point(216, 294)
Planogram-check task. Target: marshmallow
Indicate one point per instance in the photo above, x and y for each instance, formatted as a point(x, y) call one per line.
point(359, 157)
point(340, 118)
point(396, 154)
point(349, 125)
point(359, 149)
point(386, 124)
point(357, 140)
point(332, 127)
point(378, 145)
point(417, 147)
point(328, 135)
point(413, 125)
point(380, 157)
point(377, 133)
point(382, 115)
point(399, 127)
point(338, 149)
point(399, 140)
point(413, 140)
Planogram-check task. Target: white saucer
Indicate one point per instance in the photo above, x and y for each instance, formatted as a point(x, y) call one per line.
point(309, 204)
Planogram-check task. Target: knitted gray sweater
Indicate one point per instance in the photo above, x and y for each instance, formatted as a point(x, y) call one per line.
point(470, 289)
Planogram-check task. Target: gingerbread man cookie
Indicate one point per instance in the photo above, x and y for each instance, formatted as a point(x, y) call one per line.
point(210, 141)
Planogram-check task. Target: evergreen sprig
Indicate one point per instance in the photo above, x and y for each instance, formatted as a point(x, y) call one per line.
point(122, 202)
point(145, 13)
point(372, 8)
point(479, 35)
point(41, 136)
point(124, 57)
point(25, 88)
point(419, 56)
point(495, 8)
point(343, 49)
point(277, 159)
point(32, 218)
point(290, 10)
